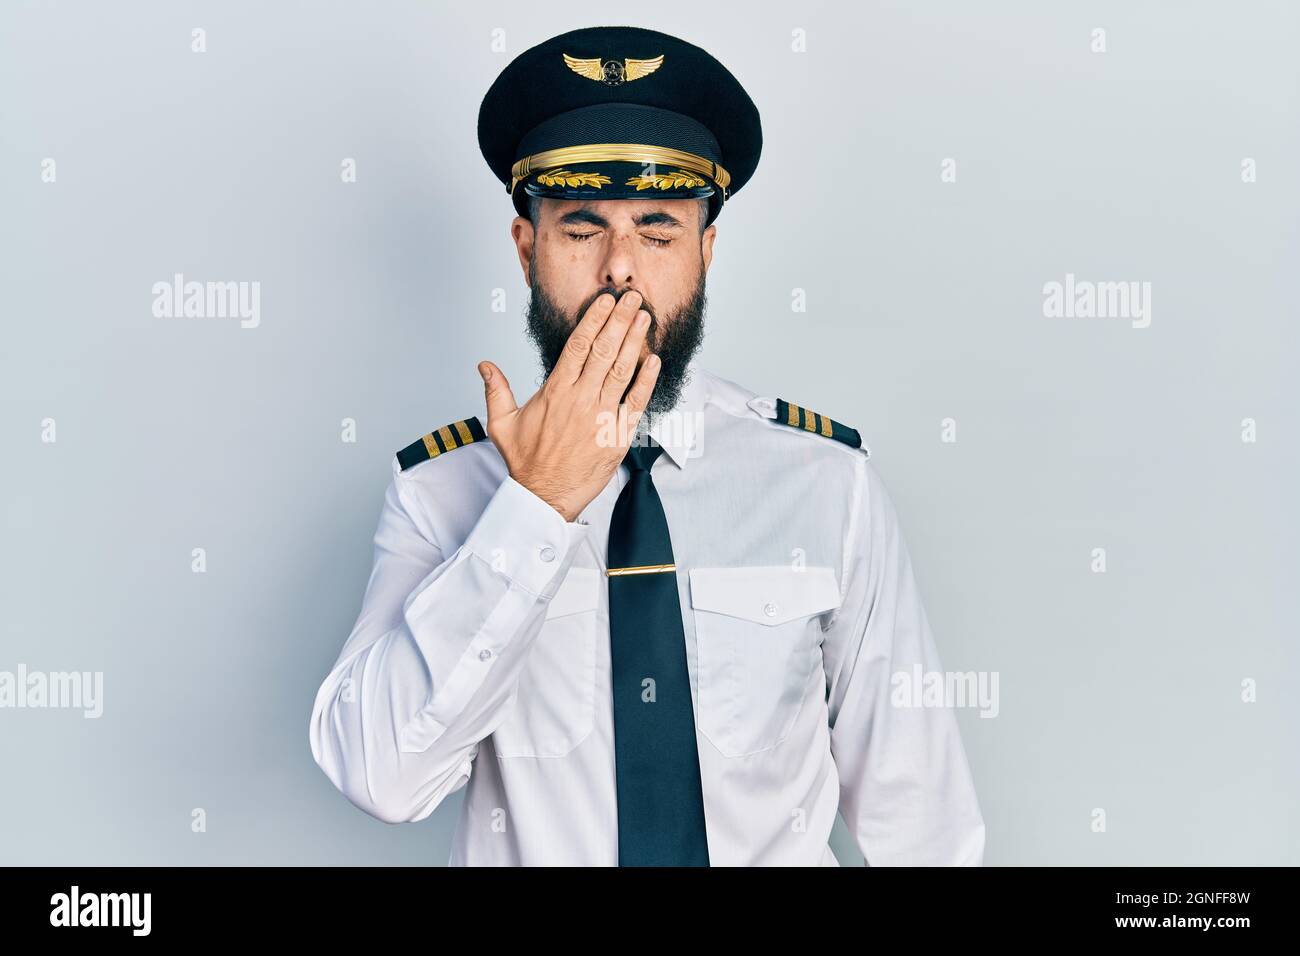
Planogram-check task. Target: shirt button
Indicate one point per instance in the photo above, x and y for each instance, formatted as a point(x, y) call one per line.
point(484, 654)
point(769, 609)
point(547, 554)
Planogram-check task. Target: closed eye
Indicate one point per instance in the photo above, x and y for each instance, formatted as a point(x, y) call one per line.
point(584, 236)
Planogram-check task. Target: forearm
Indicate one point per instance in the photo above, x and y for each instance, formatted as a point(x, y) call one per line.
point(398, 721)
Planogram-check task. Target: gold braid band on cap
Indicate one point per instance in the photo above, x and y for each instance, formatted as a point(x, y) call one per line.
point(618, 153)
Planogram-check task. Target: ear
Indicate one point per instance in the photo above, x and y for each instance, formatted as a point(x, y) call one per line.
point(706, 244)
point(522, 232)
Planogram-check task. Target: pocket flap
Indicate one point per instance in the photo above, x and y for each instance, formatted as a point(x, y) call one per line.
point(580, 591)
point(769, 596)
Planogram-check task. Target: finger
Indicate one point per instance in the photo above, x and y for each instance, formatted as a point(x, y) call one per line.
point(574, 354)
point(638, 397)
point(496, 389)
point(605, 347)
point(624, 365)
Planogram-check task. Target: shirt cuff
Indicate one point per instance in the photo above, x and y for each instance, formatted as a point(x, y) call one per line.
point(523, 538)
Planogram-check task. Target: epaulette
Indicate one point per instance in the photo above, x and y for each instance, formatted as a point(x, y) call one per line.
point(808, 420)
point(441, 440)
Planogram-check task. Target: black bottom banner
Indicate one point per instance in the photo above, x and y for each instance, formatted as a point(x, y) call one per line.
point(1172, 906)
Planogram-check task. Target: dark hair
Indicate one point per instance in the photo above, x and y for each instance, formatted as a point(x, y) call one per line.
point(535, 208)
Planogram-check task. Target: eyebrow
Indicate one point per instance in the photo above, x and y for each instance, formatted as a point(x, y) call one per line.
point(583, 215)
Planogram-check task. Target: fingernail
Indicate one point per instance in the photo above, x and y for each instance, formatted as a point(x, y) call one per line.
point(484, 371)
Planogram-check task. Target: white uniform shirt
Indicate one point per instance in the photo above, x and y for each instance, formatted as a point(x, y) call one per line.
point(481, 658)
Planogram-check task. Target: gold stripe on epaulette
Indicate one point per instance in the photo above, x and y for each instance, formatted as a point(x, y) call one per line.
point(438, 442)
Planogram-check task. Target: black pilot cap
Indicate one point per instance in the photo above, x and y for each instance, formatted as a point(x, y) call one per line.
point(619, 113)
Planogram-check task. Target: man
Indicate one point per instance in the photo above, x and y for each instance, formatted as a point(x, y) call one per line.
point(646, 617)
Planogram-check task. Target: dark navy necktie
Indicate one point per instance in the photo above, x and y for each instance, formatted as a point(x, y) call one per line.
point(657, 767)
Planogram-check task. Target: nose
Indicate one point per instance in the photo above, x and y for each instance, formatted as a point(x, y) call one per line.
point(620, 270)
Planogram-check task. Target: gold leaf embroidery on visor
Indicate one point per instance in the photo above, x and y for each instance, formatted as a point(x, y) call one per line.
point(673, 179)
point(565, 177)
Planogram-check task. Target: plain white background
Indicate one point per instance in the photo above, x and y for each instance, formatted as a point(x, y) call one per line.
point(1119, 691)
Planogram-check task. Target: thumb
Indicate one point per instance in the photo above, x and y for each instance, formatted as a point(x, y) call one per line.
point(500, 400)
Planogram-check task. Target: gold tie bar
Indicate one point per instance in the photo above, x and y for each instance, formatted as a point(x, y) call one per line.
point(641, 569)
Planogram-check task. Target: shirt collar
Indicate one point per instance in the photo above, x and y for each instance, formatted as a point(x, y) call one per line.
point(678, 430)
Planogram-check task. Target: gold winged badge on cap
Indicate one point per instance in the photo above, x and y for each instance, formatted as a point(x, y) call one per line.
point(612, 71)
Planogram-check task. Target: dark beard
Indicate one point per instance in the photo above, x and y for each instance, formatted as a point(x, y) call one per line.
point(675, 341)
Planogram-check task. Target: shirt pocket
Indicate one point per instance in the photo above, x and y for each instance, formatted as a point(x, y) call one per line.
point(756, 638)
point(554, 707)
